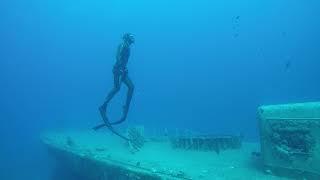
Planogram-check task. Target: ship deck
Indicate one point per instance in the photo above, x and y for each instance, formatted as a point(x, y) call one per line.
point(100, 155)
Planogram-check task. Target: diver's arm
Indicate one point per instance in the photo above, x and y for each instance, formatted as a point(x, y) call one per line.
point(120, 54)
point(121, 60)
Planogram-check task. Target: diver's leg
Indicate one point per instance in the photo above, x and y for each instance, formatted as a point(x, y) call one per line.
point(130, 86)
point(127, 81)
point(112, 93)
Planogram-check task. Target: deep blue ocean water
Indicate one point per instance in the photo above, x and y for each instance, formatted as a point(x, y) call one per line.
point(202, 65)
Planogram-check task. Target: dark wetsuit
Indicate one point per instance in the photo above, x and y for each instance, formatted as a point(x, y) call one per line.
point(120, 74)
point(123, 54)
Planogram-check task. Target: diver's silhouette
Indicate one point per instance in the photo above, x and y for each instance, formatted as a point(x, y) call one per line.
point(120, 75)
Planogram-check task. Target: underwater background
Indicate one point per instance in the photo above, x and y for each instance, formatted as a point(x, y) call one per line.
point(201, 65)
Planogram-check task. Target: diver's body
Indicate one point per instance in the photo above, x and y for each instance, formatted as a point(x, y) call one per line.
point(120, 74)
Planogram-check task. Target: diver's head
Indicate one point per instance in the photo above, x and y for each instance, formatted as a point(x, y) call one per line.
point(128, 38)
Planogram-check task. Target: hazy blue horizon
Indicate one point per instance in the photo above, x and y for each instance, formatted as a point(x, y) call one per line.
point(199, 65)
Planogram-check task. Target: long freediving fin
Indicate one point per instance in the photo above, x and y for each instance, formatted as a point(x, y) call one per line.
point(107, 124)
point(99, 126)
point(118, 134)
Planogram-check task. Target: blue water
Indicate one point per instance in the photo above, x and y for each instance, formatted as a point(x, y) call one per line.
point(203, 65)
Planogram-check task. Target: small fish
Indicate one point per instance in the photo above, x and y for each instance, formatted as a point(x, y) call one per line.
point(284, 34)
point(288, 65)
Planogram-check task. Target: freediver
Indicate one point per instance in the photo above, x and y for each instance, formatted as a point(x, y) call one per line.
point(120, 75)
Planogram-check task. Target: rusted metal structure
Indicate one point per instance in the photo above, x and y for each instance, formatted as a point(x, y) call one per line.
point(207, 142)
point(290, 139)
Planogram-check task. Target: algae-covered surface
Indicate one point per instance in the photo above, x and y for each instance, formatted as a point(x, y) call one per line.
point(290, 137)
point(158, 159)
